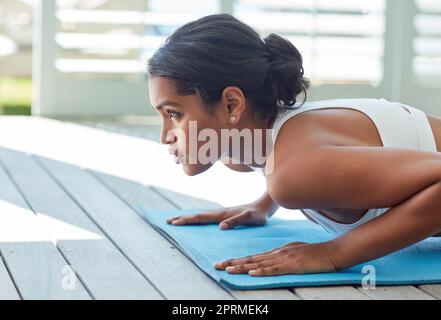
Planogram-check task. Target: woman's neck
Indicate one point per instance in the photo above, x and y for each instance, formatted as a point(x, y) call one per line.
point(254, 152)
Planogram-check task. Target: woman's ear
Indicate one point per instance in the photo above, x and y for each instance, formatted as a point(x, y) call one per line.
point(233, 104)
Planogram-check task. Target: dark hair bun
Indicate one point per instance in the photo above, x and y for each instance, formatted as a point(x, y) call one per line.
point(205, 56)
point(286, 69)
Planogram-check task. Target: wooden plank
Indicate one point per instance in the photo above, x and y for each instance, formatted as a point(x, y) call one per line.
point(171, 272)
point(41, 273)
point(35, 267)
point(107, 273)
point(136, 194)
point(432, 289)
point(395, 293)
point(100, 265)
point(330, 293)
point(7, 287)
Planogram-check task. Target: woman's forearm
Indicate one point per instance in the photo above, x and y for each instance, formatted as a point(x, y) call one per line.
point(409, 222)
point(267, 204)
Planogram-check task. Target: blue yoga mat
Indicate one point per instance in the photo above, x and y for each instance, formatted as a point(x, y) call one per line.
point(207, 244)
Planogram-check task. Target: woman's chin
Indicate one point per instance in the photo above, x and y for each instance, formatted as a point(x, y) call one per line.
point(194, 169)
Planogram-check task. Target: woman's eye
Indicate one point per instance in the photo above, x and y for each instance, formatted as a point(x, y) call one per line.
point(172, 114)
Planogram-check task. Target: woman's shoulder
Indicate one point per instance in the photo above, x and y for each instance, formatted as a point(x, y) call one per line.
point(300, 137)
point(322, 124)
point(295, 141)
point(301, 130)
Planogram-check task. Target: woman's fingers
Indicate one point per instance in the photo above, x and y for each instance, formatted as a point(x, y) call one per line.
point(200, 218)
point(245, 218)
point(256, 257)
point(234, 220)
point(246, 260)
point(274, 270)
point(227, 219)
point(245, 268)
point(169, 220)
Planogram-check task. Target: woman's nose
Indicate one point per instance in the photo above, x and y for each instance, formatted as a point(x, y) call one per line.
point(167, 137)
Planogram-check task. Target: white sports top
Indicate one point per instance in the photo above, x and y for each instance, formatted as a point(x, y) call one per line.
point(398, 125)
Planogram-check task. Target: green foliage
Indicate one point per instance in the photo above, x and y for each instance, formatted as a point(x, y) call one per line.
point(15, 96)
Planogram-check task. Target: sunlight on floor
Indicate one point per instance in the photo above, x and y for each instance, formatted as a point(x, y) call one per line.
point(18, 224)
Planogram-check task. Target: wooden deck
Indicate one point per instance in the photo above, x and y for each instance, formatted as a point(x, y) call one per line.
point(69, 227)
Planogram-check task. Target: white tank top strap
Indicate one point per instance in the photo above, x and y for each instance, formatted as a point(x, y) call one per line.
point(388, 117)
point(424, 130)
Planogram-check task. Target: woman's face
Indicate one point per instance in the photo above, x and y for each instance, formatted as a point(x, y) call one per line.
point(183, 117)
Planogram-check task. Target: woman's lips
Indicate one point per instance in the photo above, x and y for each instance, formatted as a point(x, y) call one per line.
point(178, 158)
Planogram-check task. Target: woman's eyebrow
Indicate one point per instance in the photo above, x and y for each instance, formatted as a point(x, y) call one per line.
point(166, 103)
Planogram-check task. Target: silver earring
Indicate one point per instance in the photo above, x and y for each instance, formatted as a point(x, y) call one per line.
point(232, 119)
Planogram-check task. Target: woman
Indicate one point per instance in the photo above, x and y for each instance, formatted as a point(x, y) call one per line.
point(369, 168)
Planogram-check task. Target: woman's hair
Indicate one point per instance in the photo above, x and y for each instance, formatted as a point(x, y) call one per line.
point(207, 55)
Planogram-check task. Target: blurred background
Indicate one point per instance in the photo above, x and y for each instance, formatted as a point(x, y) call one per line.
point(87, 58)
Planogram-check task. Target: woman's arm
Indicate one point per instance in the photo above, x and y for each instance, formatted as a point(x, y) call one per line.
point(409, 222)
point(407, 180)
point(351, 177)
point(267, 204)
point(265, 201)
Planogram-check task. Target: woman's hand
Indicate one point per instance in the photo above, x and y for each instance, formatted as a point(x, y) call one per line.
point(248, 215)
point(292, 258)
